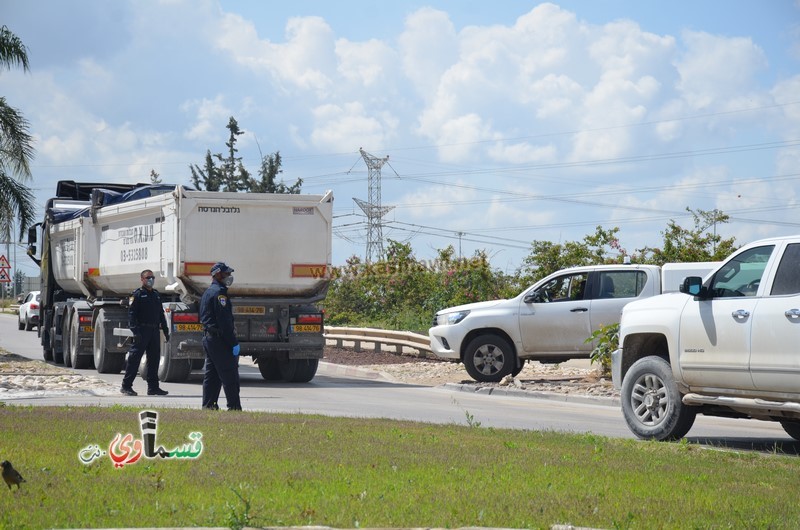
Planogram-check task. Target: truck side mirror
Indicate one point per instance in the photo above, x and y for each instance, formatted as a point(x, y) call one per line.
point(32, 235)
point(692, 285)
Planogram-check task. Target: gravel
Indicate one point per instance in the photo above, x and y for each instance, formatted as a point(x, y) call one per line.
point(20, 375)
point(563, 378)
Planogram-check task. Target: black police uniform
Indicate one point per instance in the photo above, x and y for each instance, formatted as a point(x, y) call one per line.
point(145, 317)
point(222, 367)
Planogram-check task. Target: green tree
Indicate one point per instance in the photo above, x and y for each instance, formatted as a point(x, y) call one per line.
point(16, 148)
point(699, 243)
point(231, 175)
point(269, 171)
point(209, 177)
point(155, 178)
point(547, 257)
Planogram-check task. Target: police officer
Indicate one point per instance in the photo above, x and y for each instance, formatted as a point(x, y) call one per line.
point(145, 317)
point(219, 341)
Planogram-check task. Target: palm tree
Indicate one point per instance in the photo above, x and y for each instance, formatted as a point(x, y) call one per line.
point(16, 147)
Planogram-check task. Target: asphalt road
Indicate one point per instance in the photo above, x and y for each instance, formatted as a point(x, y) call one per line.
point(347, 392)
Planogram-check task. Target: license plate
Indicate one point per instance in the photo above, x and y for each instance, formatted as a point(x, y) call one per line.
point(188, 327)
point(306, 328)
point(87, 329)
point(249, 310)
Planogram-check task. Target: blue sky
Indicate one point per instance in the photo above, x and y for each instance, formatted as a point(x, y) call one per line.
point(504, 122)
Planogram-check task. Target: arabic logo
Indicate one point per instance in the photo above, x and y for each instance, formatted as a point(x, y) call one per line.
point(125, 450)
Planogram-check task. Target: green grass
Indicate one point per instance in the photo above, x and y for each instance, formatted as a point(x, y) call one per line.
point(261, 469)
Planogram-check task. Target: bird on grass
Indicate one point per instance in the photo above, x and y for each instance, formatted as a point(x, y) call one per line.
point(11, 475)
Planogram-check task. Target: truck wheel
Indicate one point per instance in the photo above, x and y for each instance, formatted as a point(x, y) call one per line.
point(47, 344)
point(792, 428)
point(66, 340)
point(298, 370)
point(106, 362)
point(489, 358)
point(651, 402)
point(173, 370)
point(269, 368)
point(78, 361)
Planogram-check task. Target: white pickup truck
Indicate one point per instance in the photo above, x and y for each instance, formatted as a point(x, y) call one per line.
point(551, 320)
point(723, 346)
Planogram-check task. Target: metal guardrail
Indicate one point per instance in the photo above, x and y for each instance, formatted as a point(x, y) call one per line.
point(400, 341)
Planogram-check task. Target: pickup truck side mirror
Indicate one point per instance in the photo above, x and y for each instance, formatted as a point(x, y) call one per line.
point(693, 285)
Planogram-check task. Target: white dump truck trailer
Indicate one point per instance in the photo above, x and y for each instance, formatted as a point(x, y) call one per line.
point(97, 238)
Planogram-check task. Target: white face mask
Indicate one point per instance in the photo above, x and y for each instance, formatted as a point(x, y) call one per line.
point(228, 281)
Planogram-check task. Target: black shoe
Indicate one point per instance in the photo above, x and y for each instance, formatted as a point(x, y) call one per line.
point(128, 391)
point(211, 407)
point(156, 392)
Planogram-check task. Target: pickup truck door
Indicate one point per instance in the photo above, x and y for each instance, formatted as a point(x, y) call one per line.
point(714, 338)
point(555, 317)
point(611, 291)
point(774, 355)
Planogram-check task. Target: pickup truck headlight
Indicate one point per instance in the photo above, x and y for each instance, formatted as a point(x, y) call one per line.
point(448, 319)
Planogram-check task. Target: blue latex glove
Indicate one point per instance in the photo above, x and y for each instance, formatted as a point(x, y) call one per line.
point(236, 351)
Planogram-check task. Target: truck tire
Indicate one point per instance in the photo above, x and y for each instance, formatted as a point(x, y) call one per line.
point(106, 362)
point(79, 362)
point(792, 428)
point(173, 370)
point(489, 358)
point(66, 339)
point(58, 349)
point(651, 402)
point(47, 343)
point(298, 370)
point(270, 368)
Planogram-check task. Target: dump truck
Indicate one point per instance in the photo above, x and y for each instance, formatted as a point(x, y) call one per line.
point(96, 239)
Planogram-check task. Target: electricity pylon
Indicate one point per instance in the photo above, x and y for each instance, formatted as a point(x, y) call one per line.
point(372, 208)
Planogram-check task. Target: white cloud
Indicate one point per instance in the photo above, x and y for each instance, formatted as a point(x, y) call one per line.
point(210, 116)
point(306, 60)
point(346, 127)
point(428, 46)
point(367, 63)
point(523, 153)
point(714, 69)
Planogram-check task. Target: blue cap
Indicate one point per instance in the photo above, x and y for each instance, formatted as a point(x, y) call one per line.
point(220, 267)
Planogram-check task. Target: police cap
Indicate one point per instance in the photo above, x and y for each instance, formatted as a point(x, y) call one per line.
point(220, 267)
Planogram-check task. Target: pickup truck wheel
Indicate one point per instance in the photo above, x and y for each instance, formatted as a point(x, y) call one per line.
point(792, 428)
point(489, 358)
point(651, 402)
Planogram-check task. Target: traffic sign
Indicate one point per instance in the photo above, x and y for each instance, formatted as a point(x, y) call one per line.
point(4, 264)
point(5, 277)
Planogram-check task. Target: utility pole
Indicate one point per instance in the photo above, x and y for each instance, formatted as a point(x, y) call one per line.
point(372, 208)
